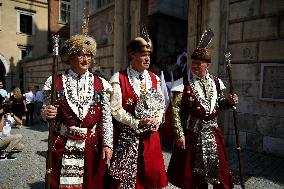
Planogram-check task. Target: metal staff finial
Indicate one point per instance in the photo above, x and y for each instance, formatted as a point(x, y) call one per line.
point(228, 57)
point(55, 41)
point(85, 22)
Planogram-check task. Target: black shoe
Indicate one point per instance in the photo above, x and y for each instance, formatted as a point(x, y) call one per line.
point(5, 157)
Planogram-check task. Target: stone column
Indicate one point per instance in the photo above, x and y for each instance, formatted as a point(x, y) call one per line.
point(135, 12)
point(121, 34)
point(129, 16)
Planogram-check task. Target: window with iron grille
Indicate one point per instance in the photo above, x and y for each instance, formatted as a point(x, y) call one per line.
point(64, 11)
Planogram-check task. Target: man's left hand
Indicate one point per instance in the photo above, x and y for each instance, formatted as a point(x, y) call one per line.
point(107, 153)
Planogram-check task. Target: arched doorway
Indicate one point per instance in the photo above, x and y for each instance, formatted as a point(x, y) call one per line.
point(2, 71)
point(3, 68)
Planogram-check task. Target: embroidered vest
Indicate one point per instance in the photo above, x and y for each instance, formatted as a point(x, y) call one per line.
point(66, 116)
point(129, 97)
point(190, 106)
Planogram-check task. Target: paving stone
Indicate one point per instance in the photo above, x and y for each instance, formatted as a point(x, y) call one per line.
point(262, 171)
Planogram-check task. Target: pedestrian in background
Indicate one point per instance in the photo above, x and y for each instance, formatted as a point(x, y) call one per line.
point(199, 154)
point(9, 143)
point(3, 93)
point(38, 102)
point(11, 91)
point(18, 105)
point(29, 96)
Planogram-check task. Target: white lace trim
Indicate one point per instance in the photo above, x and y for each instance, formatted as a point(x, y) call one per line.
point(79, 92)
point(135, 82)
point(209, 106)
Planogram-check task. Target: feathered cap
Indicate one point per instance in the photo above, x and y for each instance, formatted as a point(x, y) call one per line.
point(202, 51)
point(140, 44)
point(77, 44)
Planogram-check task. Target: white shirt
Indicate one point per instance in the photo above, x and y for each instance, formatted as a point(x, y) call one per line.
point(3, 93)
point(118, 112)
point(8, 122)
point(29, 97)
point(184, 53)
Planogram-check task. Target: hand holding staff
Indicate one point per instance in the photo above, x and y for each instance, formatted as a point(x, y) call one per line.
point(234, 101)
point(55, 40)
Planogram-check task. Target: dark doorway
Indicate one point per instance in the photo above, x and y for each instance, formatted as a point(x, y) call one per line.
point(2, 72)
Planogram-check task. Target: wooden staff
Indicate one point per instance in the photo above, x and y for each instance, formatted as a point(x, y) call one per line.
point(228, 61)
point(55, 40)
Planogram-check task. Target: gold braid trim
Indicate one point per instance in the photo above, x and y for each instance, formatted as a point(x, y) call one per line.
point(177, 127)
point(211, 180)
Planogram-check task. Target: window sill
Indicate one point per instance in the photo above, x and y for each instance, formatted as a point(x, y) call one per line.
point(24, 34)
point(63, 23)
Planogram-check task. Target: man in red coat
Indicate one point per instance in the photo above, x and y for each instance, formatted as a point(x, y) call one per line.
point(138, 106)
point(83, 128)
point(199, 155)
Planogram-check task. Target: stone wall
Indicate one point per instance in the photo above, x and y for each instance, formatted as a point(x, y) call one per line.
point(37, 71)
point(256, 37)
point(101, 26)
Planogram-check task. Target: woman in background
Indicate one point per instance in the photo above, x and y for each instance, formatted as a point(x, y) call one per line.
point(18, 106)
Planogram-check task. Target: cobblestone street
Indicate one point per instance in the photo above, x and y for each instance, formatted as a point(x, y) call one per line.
point(27, 171)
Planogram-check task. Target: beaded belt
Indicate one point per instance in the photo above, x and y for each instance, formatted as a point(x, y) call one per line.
point(72, 168)
point(206, 157)
point(73, 131)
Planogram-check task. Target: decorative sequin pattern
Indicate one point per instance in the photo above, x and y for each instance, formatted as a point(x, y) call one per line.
point(150, 104)
point(79, 93)
point(206, 159)
point(86, 99)
point(73, 165)
point(211, 101)
point(206, 155)
point(124, 165)
point(178, 130)
point(107, 127)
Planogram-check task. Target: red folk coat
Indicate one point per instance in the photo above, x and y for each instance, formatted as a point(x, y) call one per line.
point(94, 169)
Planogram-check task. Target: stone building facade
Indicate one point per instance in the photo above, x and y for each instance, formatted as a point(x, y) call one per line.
point(256, 41)
point(38, 69)
point(58, 20)
point(23, 35)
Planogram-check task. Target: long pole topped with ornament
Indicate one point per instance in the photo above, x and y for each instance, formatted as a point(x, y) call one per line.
point(55, 40)
point(228, 61)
